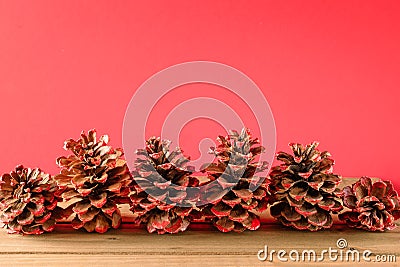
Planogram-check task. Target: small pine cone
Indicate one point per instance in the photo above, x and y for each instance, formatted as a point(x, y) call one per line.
point(303, 189)
point(28, 201)
point(374, 206)
point(162, 197)
point(95, 177)
point(235, 195)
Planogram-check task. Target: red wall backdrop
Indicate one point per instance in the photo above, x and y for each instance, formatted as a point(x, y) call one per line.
point(329, 69)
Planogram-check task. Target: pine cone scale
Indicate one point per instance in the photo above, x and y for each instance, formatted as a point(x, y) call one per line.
point(98, 177)
point(373, 206)
point(239, 193)
point(304, 188)
point(161, 193)
point(28, 202)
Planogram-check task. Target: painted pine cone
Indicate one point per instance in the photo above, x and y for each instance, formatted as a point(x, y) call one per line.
point(303, 189)
point(238, 195)
point(95, 176)
point(374, 206)
point(28, 201)
point(162, 198)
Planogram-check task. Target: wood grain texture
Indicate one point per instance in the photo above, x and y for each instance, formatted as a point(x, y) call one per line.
point(201, 245)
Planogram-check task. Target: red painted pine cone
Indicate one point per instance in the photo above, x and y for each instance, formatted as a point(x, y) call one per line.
point(239, 195)
point(303, 189)
point(28, 201)
point(162, 198)
point(95, 176)
point(373, 206)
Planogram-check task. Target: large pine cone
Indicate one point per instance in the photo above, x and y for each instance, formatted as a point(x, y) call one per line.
point(95, 178)
point(235, 195)
point(374, 206)
point(303, 188)
point(28, 201)
point(162, 198)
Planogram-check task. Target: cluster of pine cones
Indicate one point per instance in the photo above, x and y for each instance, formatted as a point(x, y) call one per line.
point(166, 196)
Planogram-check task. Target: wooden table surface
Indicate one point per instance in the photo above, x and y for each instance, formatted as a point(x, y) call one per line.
point(201, 245)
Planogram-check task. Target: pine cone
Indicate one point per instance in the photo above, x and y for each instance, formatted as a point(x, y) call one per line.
point(374, 206)
point(303, 188)
point(95, 177)
point(234, 194)
point(162, 198)
point(28, 201)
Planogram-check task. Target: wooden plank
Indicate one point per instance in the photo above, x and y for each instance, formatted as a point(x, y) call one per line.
point(201, 242)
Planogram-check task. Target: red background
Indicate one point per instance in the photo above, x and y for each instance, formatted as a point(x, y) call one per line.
point(329, 69)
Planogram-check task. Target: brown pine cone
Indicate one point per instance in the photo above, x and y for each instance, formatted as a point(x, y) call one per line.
point(162, 198)
point(374, 206)
point(28, 201)
point(235, 195)
point(303, 189)
point(95, 177)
